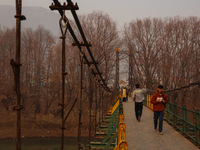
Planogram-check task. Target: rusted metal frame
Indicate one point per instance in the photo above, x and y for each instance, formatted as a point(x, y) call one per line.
point(81, 96)
point(131, 69)
point(85, 41)
point(96, 106)
point(100, 105)
point(117, 71)
point(57, 3)
point(63, 37)
point(64, 7)
point(70, 110)
point(80, 110)
point(63, 29)
point(16, 71)
point(79, 46)
point(90, 109)
point(73, 35)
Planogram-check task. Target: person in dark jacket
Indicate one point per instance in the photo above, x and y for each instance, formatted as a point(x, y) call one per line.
point(159, 100)
point(124, 94)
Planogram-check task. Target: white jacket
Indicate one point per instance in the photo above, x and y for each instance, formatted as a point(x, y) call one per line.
point(138, 95)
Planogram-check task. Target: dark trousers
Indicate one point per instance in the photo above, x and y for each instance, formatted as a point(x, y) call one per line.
point(158, 115)
point(138, 109)
point(124, 99)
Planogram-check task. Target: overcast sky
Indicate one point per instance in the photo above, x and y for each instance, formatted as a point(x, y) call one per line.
point(123, 11)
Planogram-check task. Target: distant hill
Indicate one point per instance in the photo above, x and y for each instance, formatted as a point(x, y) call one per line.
point(35, 16)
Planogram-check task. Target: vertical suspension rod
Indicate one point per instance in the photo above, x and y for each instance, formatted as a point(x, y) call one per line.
point(16, 70)
point(63, 28)
point(80, 109)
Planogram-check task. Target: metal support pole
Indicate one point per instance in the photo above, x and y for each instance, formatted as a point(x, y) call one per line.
point(100, 105)
point(184, 120)
point(16, 70)
point(17, 59)
point(131, 69)
point(117, 71)
point(197, 127)
point(80, 108)
point(63, 29)
point(96, 105)
point(90, 109)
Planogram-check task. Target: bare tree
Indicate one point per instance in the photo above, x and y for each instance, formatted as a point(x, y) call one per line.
point(166, 51)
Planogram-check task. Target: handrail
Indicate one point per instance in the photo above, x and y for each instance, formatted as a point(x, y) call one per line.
point(111, 126)
point(115, 129)
point(122, 144)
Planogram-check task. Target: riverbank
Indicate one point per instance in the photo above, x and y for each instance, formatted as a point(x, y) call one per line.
point(44, 126)
point(43, 143)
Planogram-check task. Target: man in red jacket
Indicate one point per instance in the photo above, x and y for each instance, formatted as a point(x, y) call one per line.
point(159, 100)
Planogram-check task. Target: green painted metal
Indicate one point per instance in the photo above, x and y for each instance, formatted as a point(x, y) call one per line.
point(109, 128)
point(113, 120)
point(112, 125)
point(114, 113)
point(110, 133)
point(184, 120)
point(112, 117)
point(197, 126)
point(111, 141)
point(99, 145)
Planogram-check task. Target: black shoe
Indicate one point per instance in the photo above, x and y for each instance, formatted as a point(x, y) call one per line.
point(139, 118)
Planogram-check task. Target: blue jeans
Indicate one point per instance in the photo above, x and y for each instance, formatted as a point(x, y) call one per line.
point(158, 115)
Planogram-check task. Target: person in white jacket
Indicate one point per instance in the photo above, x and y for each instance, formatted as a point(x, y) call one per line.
point(138, 97)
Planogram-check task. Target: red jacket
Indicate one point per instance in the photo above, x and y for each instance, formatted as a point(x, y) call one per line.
point(159, 100)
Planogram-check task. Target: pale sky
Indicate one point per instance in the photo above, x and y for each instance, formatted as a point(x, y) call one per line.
point(123, 11)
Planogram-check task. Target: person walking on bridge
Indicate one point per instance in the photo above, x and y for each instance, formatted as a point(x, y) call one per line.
point(124, 94)
point(138, 97)
point(159, 100)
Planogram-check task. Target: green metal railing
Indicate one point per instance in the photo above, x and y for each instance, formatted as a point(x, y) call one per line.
point(183, 120)
point(108, 129)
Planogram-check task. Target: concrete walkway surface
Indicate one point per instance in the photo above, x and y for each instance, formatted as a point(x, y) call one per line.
point(141, 135)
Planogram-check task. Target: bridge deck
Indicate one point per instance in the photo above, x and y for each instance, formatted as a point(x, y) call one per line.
point(141, 135)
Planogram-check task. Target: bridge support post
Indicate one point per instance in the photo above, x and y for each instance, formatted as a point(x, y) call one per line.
point(175, 115)
point(184, 120)
point(117, 71)
point(130, 79)
point(197, 128)
point(16, 64)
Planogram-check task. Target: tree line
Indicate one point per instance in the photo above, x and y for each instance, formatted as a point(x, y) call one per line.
point(165, 51)
point(41, 70)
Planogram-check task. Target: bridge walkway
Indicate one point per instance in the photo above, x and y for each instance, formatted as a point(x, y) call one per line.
point(141, 135)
